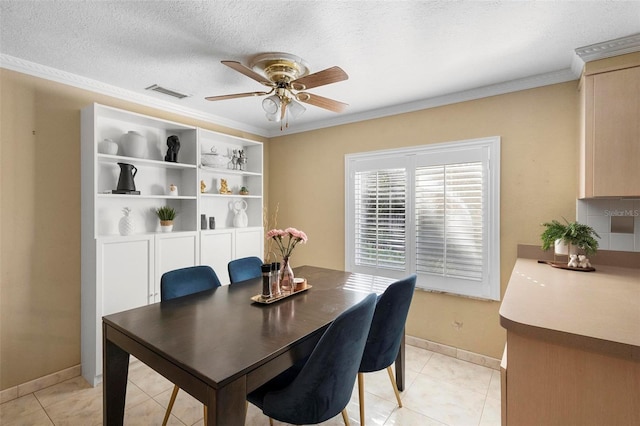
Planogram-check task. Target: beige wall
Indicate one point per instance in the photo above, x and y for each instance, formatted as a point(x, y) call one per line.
point(40, 204)
point(539, 131)
point(40, 222)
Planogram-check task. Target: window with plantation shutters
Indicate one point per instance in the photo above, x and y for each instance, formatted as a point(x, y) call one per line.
point(431, 210)
point(380, 215)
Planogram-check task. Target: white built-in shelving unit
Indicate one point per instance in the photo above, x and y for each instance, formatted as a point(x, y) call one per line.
point(123, 272)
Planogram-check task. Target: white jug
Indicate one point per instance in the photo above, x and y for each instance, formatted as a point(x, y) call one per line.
point(240, 220)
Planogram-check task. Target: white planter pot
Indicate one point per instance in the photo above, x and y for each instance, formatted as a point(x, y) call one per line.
point(562, 248)
point(166, 226)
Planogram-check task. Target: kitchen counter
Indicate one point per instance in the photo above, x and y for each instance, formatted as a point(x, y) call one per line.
point(599, 309)
point(573, 346)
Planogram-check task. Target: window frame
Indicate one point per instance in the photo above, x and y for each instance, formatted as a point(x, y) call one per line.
point(489, 149)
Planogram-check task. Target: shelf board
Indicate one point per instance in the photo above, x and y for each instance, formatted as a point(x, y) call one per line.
point(212, 194)
point(106, 158)
point(147, 197)
point(142, 234)
point(219, 170)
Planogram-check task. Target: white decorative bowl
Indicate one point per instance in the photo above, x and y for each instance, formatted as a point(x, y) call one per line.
point(214, 160)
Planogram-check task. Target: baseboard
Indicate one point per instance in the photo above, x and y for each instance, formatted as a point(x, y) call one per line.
point(40, 383)
point(69, 373)
point(454, 352)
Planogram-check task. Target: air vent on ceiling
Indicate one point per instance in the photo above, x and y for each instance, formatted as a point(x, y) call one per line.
point(166, 91)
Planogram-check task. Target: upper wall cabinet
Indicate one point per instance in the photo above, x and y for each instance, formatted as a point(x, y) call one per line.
point(610, 145)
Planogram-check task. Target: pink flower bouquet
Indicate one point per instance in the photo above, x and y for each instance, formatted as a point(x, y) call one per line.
point(294, 235)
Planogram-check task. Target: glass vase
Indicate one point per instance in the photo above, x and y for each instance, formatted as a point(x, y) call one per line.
point(286, 276)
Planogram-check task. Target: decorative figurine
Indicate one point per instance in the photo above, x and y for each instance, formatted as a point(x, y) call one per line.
point(174, 146)
point(573, 261)
point(224, 189)
point(234, 159)
point(244, 191)
point(583, 262)
point(173, 190)
point(242, 160)
point(203, 187)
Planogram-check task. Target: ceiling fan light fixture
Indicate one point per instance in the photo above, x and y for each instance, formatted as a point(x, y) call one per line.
point(287, 75)
point(271, 104)
point(295, 109)
point(273, 117)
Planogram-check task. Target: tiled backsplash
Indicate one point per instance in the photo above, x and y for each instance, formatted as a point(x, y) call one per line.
point(599, 213)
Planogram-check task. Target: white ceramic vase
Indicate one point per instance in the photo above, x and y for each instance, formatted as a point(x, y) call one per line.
point(134, 144)
point(240, 220)
point(126, 225)
point(108, 146)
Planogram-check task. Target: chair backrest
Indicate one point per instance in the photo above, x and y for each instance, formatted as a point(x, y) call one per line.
point(387, 326)
point(184, 281)
point(244, 269)
point(324, 385)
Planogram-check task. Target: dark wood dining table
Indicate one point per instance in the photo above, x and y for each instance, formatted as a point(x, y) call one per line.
point(218, 345)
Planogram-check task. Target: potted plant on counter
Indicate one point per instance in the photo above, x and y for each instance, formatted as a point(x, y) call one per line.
point(166, 215)
point(569, 237)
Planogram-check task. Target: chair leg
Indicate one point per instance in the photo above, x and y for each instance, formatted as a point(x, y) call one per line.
point(395, 387)
point(345, 417)
point(170, 406)
point(270, 421)
point(205, 415)
point(361, 397)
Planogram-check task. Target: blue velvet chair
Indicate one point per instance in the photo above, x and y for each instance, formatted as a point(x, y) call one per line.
point(244, 269)
point(385, 335)
point(319, 387)
point(182, 282)
point(185, 281)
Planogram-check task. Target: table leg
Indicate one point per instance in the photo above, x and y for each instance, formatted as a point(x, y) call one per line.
point(115, 370)
point(228, 405)
point(400, 365)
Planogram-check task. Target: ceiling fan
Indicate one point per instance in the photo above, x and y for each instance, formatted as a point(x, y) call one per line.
point(288, 77)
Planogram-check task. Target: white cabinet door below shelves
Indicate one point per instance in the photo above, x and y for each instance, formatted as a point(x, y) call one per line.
point(125, 274)
point(249, 242)
point(216, 250)
point(173, 251)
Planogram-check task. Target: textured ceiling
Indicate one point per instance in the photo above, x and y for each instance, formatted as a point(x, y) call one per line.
point(396, 53)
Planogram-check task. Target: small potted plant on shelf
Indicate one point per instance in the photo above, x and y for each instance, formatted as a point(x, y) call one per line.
point(166, 215)
point(569, 237)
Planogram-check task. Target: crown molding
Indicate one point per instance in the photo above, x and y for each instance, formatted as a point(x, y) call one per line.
point(53, 74)
point(605, 49)
point(532, 82)
point(48, 73)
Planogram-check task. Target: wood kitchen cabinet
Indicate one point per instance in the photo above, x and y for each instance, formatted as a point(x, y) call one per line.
point(610, 144)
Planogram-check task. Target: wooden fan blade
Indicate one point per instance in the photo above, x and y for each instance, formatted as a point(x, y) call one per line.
point(236, 95)
point(248, 72)
point(322, 102)
point(320, 78)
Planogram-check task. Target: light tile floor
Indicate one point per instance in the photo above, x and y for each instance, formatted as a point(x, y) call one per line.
point(439, 390)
